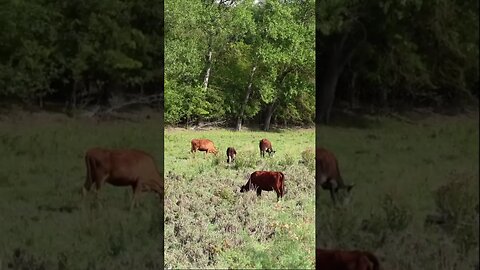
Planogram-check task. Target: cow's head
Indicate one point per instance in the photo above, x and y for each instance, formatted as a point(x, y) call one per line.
point(244, 188)
point(271, 152)
point(345, 194)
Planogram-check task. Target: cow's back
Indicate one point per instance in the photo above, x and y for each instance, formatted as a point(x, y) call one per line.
point(134, 163)
point(265, 144)
point(203, 145)
point(345, 260)
point(266, 179)
point(99, 159)
point(326, 164)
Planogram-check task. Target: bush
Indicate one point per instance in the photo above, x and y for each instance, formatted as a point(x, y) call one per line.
point(456, 202)
point(248, 160)
point(308, 159)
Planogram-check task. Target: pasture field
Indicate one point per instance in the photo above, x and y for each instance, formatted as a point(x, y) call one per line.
point(415, 203)
point(210, 224)
point(45, 224)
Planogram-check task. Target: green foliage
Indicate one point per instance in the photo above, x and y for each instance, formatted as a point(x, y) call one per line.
point(47, 48)
point(404, 53)
point(276, 38)
point(249, 159)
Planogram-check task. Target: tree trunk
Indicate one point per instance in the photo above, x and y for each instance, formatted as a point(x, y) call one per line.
point(268, 116)
point(328, 88)
point(336, 59)
point(73, 96)
point(207, 73)
point(245, 100)
point(352, 89)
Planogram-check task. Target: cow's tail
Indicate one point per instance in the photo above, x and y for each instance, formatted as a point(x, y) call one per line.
point(373, 259)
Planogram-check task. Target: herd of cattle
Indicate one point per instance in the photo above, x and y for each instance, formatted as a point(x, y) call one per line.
point(258, 180)
point(137, 169)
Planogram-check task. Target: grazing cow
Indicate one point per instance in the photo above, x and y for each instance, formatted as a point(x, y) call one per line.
point(346, 260)
point(265, 180)
point(231, 154)
point(203, 145)
point(327, 174)
point(122, 167)
point(266, 146)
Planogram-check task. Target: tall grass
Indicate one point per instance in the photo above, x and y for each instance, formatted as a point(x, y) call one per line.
point(45, 224)
point(405, 174)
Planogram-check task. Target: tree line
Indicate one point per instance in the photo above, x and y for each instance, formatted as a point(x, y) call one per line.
point(81, 52)
point(241, 61)
point(396, 55)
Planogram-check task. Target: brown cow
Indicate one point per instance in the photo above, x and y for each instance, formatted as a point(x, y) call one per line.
point(231, 154)
point(327, 174)
point(203, 145)
point(265, 180)
point(266, 146)
point(122, 167)
point(346, 260)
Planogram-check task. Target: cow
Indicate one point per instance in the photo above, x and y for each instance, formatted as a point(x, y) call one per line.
point(266, 146)
point(265, 180)
point(346, 260)
point(203, 145)
point(231, 154)
point(327, 173)
point(122, 167)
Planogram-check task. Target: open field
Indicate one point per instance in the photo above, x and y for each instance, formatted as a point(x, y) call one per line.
point(209, 223)
point(403, 173)
point(44, 224)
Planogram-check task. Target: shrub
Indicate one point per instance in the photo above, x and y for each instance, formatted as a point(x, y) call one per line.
point(456, 201)
point(308, 159)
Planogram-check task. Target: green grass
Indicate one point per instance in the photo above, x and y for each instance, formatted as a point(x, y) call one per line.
point(44, 224)
point(209, 223)
point(403, 173)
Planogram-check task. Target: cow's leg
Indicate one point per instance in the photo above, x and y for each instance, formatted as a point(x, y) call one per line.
point(279, 194)
point(259, 192)
point(100, 178)
point(135, 189)
point(88, 179)
point(87, 186)
point(332, 195)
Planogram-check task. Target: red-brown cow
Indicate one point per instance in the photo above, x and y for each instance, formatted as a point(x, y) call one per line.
point(203, 145)
point(231, 154)
point(266, 146)
point(346, 260)
point(327, 174)
point(265, 180)
point(122, 167)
